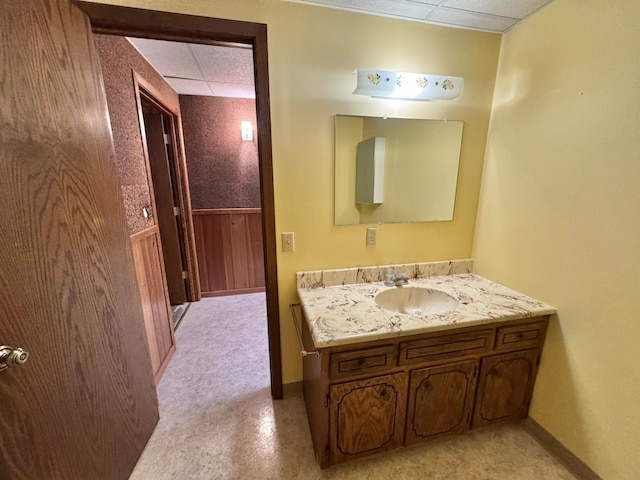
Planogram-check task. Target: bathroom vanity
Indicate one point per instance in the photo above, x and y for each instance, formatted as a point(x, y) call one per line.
point(376, 378)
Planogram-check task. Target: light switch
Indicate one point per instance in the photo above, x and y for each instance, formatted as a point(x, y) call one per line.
point(288, 242)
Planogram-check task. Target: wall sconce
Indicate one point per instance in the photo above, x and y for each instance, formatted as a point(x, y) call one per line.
point(247, 131)
point(407, 86)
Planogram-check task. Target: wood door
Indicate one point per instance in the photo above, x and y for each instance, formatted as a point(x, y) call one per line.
point(505, 386)
point(367, 416)
point(440, 401)
point(84, 405)
point(164, 194)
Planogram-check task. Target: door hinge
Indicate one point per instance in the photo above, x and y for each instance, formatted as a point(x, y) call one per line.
point(469, 418)
point(176, 211)
point(167, 139)
point(475, 371)
point(185, 275)
point(327, 452)
point(327, 401)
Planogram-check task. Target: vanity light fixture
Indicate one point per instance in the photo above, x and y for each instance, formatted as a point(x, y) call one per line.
point(247, 131)
point(407, 86)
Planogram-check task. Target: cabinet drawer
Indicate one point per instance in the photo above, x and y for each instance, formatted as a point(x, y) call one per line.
point(356, 362)
point(446, 346)
point(519, 337)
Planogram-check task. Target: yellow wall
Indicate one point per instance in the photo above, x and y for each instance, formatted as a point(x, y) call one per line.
point(559, 216)
point(312, 53)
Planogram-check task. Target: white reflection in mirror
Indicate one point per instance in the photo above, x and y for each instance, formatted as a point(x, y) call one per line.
point(421, 161)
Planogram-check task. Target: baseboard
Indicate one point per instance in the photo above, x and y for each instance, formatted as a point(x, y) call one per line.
point(289, 389)
point(559, 451)
point(237, 291)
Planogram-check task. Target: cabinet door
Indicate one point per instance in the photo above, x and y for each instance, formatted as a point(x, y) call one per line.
point(367, 416)
point(440, 401)
point(504, 387)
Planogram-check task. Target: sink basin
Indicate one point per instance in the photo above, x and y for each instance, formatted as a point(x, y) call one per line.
point(415, 300)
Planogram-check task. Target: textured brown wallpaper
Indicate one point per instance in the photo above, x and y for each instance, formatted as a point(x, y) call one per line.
point(223, 170)
point(118, 58)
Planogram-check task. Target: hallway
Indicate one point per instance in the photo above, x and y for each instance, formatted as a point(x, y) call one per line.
point(218, 420)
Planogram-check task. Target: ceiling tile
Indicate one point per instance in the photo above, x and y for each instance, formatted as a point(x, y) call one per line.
point(169, 58)
point(505, 8)
point(396, 8)
point(189, 87)
point(225, 64)
point(471, 20)
point(232, 90)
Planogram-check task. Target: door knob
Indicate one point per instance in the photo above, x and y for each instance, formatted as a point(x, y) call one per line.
point(12, 357)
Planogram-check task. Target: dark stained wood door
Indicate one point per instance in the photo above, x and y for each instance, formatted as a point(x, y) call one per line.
point(367, 416)
point(84, 405)
point(440, 401)
point(505, 386)
point(165, 201)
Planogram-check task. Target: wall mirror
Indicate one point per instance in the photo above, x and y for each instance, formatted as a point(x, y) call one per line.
point(395, 170)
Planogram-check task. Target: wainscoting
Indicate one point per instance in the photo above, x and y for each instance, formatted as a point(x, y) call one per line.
point(147, 258)
point(229, 250)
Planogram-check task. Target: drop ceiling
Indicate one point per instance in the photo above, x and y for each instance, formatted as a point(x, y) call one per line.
point(206, 70)
point(496, 16)
point(227, 70)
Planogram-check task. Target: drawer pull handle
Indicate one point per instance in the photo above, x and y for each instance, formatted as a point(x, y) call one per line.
point(363, 363)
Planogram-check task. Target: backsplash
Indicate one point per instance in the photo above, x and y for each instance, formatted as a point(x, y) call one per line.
point(377, 273)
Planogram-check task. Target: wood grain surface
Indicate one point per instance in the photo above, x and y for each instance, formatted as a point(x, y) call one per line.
point(84, 405)
point(367, 416)
point(440, 401)
point(229, 249)
point(504, 387)
point(147, 257)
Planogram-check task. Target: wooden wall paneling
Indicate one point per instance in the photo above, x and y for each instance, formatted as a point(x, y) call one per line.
point(256, 249)
point(147, 255)
point(229, 248)
point(239, 251)
point(224, 249)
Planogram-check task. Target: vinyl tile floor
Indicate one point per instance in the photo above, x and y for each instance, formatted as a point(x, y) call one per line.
point(218, 421)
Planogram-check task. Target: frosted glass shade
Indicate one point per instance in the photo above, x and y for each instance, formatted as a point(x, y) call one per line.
point(407, 86)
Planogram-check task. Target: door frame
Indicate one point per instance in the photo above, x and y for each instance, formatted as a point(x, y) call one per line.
point(144, 90)
point(135, 22)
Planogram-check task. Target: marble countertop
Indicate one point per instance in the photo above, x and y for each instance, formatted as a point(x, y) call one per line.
point(346, 314)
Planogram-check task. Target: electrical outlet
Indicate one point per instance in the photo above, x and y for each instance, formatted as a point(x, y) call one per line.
point(371, 236)
point(288, 242)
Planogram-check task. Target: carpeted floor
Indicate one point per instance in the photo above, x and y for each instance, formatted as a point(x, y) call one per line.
point(218, 420)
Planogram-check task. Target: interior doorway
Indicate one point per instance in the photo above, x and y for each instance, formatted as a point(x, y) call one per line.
point(109, 19)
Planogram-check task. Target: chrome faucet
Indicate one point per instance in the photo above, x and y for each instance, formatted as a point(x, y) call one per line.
point(398, 281)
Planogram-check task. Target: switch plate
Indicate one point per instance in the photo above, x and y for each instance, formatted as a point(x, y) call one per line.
point(371, 236)
point(288, 242)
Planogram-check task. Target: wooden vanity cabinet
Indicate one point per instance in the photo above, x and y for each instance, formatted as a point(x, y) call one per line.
point(371, 397)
